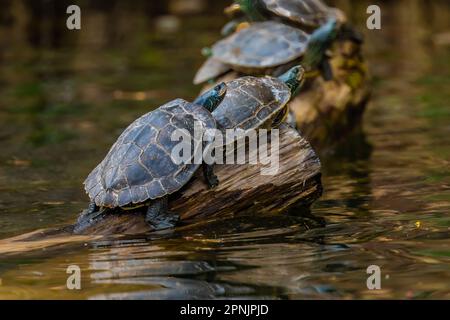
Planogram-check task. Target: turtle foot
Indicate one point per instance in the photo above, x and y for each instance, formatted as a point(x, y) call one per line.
point(86, 219)
point(159, 217)
point(213, 181)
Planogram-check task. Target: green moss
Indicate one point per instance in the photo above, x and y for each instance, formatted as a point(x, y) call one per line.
point(354, 80)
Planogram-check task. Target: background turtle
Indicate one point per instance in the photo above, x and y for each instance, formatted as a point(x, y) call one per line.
point(139, 170)
point(305, 14)
point(269, 48)
point(253, 102)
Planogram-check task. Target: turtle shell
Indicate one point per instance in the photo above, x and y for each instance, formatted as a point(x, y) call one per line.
point(212, 68)
point(305, 13)
point(263, 45)
point(250, 102)
point(139, 167)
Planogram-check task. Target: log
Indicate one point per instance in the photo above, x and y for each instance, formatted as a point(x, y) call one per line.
point(325, 111)
point(242, 189)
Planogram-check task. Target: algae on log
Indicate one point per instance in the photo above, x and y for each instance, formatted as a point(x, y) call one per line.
point(242, 189)
point(326, 110)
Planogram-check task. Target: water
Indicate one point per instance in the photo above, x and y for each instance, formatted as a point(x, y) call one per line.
point(65, 97)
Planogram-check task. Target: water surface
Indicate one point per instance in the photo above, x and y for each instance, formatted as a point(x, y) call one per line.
point(65, 97)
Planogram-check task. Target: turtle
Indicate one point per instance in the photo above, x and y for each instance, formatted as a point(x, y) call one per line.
point(305, 14)
point(139, 170)
point(270, 47)
point(258, 102)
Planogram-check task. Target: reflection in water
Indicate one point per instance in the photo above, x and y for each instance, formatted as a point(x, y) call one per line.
point(67, 96)
point(139, 264)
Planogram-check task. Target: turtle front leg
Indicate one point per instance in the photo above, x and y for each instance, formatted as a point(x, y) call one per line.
point(158, 215)
point(326, 70)
point(210, 177)
point(208, 170)
point(89, 212)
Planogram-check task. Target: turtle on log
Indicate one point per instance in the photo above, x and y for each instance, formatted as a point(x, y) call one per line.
point(139, 170)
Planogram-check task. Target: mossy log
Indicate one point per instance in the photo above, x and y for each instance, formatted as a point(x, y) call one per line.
point(242, 189)
point(326, 110)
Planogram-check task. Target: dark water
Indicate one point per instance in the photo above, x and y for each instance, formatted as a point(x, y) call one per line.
point(66, 96)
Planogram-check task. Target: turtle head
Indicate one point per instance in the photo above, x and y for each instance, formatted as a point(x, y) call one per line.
point(235, 9)
point(293, 78)
point(211, 99)
point(250, 8)
point(319, 42)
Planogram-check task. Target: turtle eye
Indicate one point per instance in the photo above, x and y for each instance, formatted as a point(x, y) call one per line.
point(221, 89)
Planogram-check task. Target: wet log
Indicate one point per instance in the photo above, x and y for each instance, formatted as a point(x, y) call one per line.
point(242, 189)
